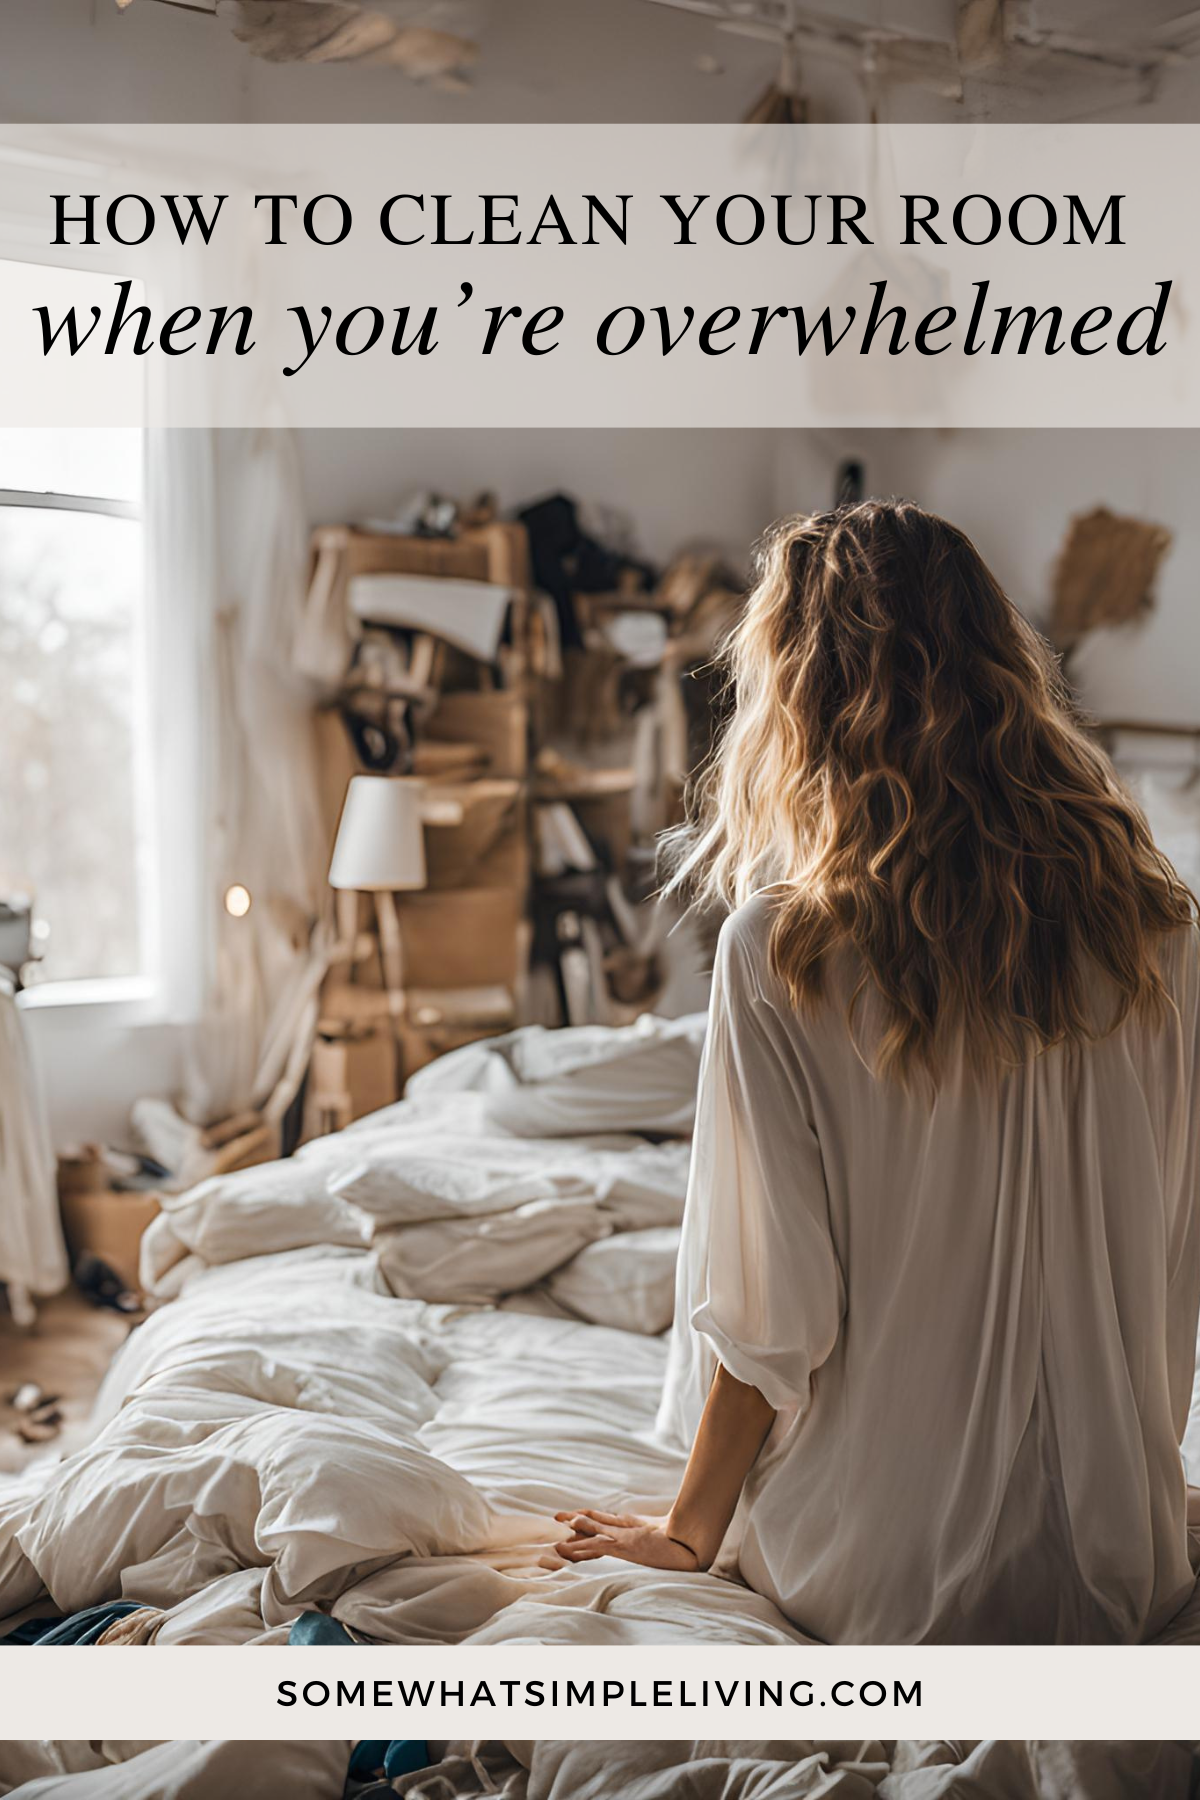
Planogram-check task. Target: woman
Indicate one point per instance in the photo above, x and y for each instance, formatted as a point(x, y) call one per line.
point(940, 1270)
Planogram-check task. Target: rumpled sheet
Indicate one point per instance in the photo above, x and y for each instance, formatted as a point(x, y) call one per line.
point(453, 1214)
point(289, 1435)
point(184, 1770)
point(590, 1770)
point(824, 1770)
point(302, 1430)
point(461, 1203)
point(297, 1432)
point(588, 1078)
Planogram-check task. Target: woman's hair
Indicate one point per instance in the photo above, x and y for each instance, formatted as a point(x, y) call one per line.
point(903, 766)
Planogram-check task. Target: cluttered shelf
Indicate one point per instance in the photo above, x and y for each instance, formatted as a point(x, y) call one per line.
point(507, 712)
point(533, 681)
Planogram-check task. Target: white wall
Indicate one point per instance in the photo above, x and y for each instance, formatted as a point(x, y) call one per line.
point(1014, 492)
point(93, 1062)
point(1018, 490)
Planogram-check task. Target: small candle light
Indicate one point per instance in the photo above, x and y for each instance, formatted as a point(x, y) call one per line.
point(237, 901)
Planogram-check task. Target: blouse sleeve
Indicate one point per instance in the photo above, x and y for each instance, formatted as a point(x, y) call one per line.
point(764, 1286)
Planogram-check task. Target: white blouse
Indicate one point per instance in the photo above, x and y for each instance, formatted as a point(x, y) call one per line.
point(976, 1315)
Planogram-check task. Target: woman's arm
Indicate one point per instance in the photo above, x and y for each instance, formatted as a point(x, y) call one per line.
point(733, 1429)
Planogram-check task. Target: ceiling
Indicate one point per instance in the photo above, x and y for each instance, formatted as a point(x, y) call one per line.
point(610, 60)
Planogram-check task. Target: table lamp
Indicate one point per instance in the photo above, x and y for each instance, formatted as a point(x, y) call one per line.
point(380, 850)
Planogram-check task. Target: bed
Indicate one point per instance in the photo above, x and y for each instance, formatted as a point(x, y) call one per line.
point(385, 1363)
point(556, 1770)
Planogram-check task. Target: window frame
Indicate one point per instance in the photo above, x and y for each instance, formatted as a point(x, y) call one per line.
point(52, 501)
point(125, 999)
point(171, 990)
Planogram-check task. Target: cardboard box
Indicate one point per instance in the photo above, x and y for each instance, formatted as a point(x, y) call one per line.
point(349, 1078)
point(508, 864)
point(496, 720)
point(423, 1046)
point(461, 938)
point(109, 1225)
point(353, 1072)
point(489, 848)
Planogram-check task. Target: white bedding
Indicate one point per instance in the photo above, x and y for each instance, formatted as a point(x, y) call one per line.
point(825, 1770)
point(192, 1770)
point(589, 1770)
point(304, 1428)
point(289, 1435)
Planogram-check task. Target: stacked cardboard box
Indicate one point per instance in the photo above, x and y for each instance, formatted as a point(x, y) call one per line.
point(465, 937)
point(99, 1219)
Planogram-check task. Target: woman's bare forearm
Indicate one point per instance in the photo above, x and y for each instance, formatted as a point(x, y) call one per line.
point(732, 1431)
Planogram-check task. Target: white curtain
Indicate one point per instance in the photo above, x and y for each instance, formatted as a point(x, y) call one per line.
point(33, 1257)
point(229, 547)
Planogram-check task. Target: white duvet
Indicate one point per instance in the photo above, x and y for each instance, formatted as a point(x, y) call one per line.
point(185, 1770)
point(390, 1361)
point(290, 1435)
point(304, 1426)
point(556, 1770)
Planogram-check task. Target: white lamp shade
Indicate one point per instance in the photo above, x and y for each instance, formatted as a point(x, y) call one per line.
point(381, 840)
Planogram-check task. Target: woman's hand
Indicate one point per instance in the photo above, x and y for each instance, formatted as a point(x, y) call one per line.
point(732, 1431)
point(633, 1539)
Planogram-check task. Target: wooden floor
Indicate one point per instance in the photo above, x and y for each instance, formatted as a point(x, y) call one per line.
point(66, 1352)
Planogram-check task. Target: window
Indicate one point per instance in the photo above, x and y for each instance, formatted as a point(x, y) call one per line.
point(74, 813)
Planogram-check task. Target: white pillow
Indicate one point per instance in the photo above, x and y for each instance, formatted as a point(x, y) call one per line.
point(581, 1080)
point(273, 1206)
point(646, 1186)
point(626, 1281)
point(472, 1259)
point(411, 1180)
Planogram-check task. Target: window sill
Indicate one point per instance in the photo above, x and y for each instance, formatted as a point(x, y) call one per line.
point(127, 999)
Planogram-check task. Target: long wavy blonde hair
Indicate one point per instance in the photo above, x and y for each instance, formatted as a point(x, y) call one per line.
point(904, 769)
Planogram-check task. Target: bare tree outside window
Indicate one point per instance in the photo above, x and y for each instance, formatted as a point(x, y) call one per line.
point(71, 661)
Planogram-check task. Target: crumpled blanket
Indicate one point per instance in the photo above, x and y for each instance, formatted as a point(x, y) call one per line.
point(590, 1770)
point(289, 1435)
point(452, 1214)
point(462, 1200)
point(831, 1770)
point(184, 1770)
point(585, 1079)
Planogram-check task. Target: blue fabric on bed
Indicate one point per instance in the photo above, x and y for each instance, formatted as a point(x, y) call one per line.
point(31, 1631)
point(367, 1759)
point(405, 1756)
point(78, 1628)
point(318, 1628)
point(400, 1756)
